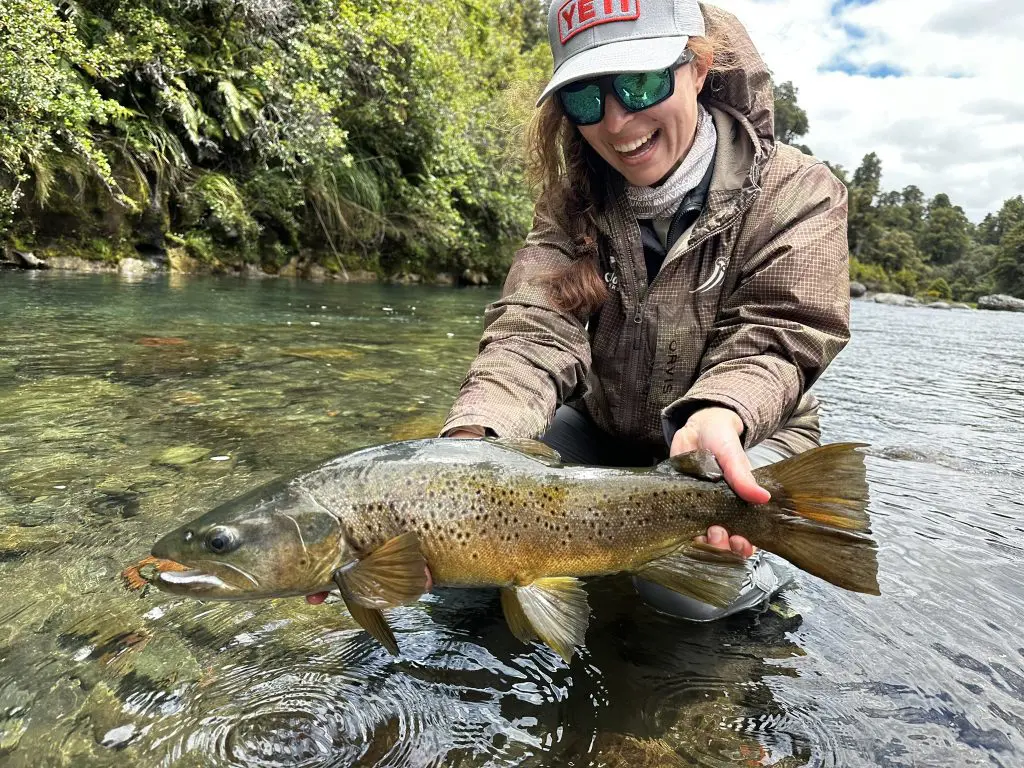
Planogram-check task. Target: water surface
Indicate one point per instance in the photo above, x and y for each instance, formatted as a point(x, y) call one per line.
point(130, 406)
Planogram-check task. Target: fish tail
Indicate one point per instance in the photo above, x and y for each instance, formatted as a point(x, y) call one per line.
point(820, 500)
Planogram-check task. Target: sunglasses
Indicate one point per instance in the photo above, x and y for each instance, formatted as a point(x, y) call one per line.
point(583, 100)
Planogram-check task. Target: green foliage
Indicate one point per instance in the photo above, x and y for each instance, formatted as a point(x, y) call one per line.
point(906, 281)
point(331, 126)
point(939, 289)
point(1009, 267)
point(944, 237)
point(873, 276)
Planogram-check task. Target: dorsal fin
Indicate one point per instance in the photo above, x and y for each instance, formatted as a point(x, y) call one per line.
point(535, 449)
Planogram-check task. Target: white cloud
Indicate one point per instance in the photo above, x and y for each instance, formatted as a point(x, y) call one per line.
point(952, 121)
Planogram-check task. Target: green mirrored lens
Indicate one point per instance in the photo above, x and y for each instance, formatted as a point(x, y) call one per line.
point(640, 90)
point(582, 104)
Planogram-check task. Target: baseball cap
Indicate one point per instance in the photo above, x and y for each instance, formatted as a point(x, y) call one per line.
point(590, 38)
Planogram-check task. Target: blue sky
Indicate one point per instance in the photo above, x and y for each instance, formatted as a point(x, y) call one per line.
point(933, 87)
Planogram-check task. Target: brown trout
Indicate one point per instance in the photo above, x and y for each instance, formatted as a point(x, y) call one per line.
point(509, 514)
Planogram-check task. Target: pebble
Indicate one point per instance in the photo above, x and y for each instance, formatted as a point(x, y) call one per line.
point(116, 738)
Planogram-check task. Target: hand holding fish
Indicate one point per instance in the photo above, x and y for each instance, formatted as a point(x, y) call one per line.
point(718, 430)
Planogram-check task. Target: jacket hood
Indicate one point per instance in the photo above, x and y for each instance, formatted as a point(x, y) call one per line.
point(741, 82)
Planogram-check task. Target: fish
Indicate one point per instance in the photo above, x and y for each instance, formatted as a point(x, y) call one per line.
point(508, 513)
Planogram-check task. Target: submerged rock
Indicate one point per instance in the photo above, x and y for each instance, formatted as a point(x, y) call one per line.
point(1001, 302)
point(118, 738)
point(182, 455)
point(896, 300)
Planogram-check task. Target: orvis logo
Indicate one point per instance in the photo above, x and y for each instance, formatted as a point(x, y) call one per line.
point(578, 15)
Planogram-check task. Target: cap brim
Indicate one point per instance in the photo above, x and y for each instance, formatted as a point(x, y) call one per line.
point(644, 55)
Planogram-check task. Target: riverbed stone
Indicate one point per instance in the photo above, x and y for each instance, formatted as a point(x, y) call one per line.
point(78, 264)
point(472, 277)
point(857, 290)
point(317, 273)
point(1001, 302)
point(118, 738)
point(180, 262)
point(29, 260)
point(896, 300)
point(253, 272)
point(136, 267)
point(359, 276)
point(938, 305)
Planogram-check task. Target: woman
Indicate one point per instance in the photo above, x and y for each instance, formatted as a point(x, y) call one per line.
point(686, 279)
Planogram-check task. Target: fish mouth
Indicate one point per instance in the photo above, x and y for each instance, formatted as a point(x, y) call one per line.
point(195, 584)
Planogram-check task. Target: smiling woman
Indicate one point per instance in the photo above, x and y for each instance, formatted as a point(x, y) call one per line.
point(686, 280)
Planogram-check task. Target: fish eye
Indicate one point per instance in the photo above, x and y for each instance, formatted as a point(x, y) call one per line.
point(221, 540)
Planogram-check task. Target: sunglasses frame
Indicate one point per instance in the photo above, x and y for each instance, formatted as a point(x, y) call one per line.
point(606, 84)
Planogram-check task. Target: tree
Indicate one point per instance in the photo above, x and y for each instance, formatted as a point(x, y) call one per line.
point(944, 238)
point(864, 188)
point(1009, 271)
point(892, 249)
point(913, 204)
point(994, 226)
point(790, 119)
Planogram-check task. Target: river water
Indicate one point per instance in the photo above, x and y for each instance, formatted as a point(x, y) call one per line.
point(127, 407)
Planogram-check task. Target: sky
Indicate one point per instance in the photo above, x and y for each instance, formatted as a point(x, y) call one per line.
point(934, 87)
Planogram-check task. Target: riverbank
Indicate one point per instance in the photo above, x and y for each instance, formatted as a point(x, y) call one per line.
point(177, 261)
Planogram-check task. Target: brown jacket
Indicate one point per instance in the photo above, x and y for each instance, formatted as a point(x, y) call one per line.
point(774, 221)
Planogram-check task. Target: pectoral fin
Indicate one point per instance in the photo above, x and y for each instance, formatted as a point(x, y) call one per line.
point(711, 575)
point(372, 621)
point(535, 449)
point(700, 464)
point(394, 574)
point(553, 610)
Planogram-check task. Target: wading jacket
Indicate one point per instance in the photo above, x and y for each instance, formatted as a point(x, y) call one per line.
point(748, 309)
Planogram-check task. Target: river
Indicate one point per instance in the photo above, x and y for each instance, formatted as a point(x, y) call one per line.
point(128, 406)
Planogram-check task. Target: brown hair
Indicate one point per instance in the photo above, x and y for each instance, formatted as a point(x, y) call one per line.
point(570, 180)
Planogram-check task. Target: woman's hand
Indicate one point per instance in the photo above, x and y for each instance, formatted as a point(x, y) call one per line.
point(718, 430)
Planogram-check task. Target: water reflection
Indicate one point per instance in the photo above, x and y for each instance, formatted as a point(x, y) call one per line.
point(128, 407)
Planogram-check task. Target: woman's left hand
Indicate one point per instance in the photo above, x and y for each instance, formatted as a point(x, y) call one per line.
point(718, 430)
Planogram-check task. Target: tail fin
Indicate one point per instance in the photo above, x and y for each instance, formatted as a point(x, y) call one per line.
point(820, 498)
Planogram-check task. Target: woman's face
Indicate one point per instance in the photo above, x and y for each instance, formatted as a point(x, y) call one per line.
point(645, 147)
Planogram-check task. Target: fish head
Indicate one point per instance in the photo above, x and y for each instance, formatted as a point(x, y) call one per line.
point(274, 542)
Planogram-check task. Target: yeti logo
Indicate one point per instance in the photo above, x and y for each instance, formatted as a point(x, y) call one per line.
point(578, 15)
